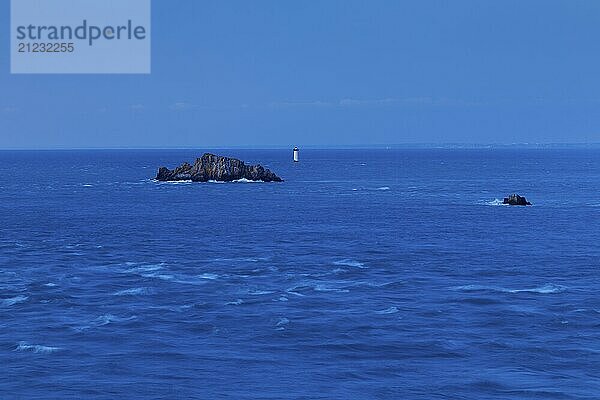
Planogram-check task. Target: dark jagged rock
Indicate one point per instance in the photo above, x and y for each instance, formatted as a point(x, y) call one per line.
point(516, 200)
point(210, 167)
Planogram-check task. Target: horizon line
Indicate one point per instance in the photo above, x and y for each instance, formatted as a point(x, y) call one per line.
point(324, 147)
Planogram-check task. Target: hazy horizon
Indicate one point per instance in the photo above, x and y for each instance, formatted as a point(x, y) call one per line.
point(407, 146)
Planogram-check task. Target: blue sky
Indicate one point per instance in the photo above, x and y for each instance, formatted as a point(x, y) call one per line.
point(263, 73)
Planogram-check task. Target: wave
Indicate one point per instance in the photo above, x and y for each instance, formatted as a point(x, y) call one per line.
point(149, 271)
point(281, 323)
point(371, 284)
point(134, 292)
point(350, 263)
point(163, 277)
point(304, 288)
point(323, 288)
point(545, 289)
point(293, 292)
point(369, 189)
point(13, 300)
point(36, 348)
point(136, 183)
point(105, 320)
point(208, 276)
point(235, 303)
point(260, 292)
point(496, 202)
point(109, 318)
point(241, 259)
point(244, 180)
point(137, 269)
point(187, 182)
point(158, 271)
point(391, 310)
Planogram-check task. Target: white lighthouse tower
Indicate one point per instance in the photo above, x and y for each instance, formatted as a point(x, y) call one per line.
point(296, 154)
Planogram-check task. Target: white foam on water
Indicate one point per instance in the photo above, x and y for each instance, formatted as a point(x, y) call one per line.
point(545, 289)
point(391, 310)
point(186, 182)
point(158, 271)
point(310, 286)
point(235, 303)
point(244, 180)
point(13, 300)
point(105, 320)
point(496, 202)
point(281, 324)
point(472, 288)
point(138, 269)
point(134, 292)
point(350, 263)
point(208, 276)
point(380, 284)
point(260, 292)
point(36, 348)
point(50, 284)
point(323, 288)
point(87, 185)
point(163, 277)
point(383, 188)
point(291, 291)
point(242, 259)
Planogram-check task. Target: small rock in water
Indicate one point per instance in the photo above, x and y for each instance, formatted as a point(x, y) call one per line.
point(516, 200)
point(217, 168)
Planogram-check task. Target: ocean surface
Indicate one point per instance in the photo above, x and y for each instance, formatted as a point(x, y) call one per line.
point(367, 274)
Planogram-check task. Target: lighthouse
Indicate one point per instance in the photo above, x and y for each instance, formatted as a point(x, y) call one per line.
point(296, 154)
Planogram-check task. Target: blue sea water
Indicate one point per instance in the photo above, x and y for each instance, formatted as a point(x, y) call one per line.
point(367, 274)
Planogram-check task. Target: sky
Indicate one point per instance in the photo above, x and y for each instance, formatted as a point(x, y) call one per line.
point(258, 73)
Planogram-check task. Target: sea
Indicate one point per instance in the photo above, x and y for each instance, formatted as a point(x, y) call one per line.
point(367, 274)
